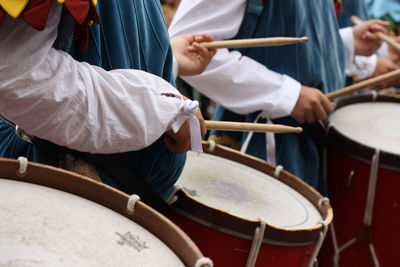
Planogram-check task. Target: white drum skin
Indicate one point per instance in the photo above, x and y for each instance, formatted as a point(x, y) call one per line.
point(40, 226)
point(373, 124)
point(246, 193)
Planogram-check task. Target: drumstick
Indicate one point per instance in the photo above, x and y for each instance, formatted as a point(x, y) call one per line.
point(367, 83)
point(251, 127)
point(380, 35)
point(255, 42)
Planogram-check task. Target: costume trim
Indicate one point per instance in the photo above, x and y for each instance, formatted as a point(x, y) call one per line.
point(36, 12)
point(338, 4)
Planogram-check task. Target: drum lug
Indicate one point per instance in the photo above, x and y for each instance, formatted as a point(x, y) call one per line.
point(350, 179)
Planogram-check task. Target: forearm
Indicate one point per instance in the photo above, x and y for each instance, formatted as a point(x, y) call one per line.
point(74, 104)
point(244, 85)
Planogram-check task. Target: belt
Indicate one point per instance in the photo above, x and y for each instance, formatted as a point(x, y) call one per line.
point(18, 131)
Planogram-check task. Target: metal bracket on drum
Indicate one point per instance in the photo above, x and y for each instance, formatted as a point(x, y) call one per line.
point(350, 178)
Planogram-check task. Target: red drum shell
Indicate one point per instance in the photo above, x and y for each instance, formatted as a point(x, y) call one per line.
point(348, 198)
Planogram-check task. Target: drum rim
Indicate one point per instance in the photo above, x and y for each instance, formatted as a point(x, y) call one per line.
point(354, 148)
point(108, 197)
point(225, 222)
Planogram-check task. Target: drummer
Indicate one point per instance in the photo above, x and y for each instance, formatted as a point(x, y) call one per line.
point(388, 10)
point(373, 65)
point(86, 108)
point(284, 85)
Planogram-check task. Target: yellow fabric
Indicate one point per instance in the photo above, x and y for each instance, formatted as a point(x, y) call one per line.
point(13, 7)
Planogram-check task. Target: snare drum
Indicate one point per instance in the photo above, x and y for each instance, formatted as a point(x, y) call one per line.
point(364, 182)
point(51, 217)
point(242, 211)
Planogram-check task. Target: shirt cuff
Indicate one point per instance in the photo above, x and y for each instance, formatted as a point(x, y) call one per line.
point(365, 66)
point(383, 51)
point(290, 91)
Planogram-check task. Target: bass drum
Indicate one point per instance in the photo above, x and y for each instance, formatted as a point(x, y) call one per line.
point(364, 182)
point(242, 211)
point(51, 217)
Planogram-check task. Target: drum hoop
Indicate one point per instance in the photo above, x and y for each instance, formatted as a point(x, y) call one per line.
point(238, 234)
point(352, 147)
point(108, 197)
point(208, 215)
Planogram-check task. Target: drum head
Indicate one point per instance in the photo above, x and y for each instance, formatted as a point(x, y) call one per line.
point(51, 217)
point(246, 192)
point(43, 226)
point(373, 124)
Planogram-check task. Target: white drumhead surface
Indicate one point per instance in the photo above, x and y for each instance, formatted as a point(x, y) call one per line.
point(245, 192)
point(40, 226)
point(374, 124)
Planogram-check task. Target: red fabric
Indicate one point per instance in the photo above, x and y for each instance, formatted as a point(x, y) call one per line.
point(2, 13)
point(82, 35)
point(338, 6)
point(79, 9)
point(36, 13)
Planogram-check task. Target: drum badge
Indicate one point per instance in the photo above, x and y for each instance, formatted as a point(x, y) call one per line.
point(132, 241)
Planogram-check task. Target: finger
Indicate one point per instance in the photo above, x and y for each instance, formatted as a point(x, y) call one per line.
point(369, 36)
point(377, 28)
point(169, 143)
point(380, 22)
point(327, 104)
point(203, 128)
point(319, 111)
point(203, 50)
point(310, 118)
point(203, 38)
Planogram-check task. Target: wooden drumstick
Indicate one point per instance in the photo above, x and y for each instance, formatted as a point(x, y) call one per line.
point(380, 35)
point(251, 127)
point(367, 83)
point(255, 42)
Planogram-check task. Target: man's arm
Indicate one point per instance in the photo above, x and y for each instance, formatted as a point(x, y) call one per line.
point(77, 105)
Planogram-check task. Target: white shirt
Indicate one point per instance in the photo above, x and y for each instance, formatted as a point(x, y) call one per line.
point(237, 82)
point(52, 96)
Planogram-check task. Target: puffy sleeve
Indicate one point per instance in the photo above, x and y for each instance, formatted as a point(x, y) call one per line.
point(83, 107)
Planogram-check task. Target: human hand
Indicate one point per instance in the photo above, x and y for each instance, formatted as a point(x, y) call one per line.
point(312, 105)
point(365, 41)
point(179, 142)
point(192, 58)
point(384, 66)
point(394, 54)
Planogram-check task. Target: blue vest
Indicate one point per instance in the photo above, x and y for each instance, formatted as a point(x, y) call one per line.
point(318, 63)
point(350, 8)
point(132, 35)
